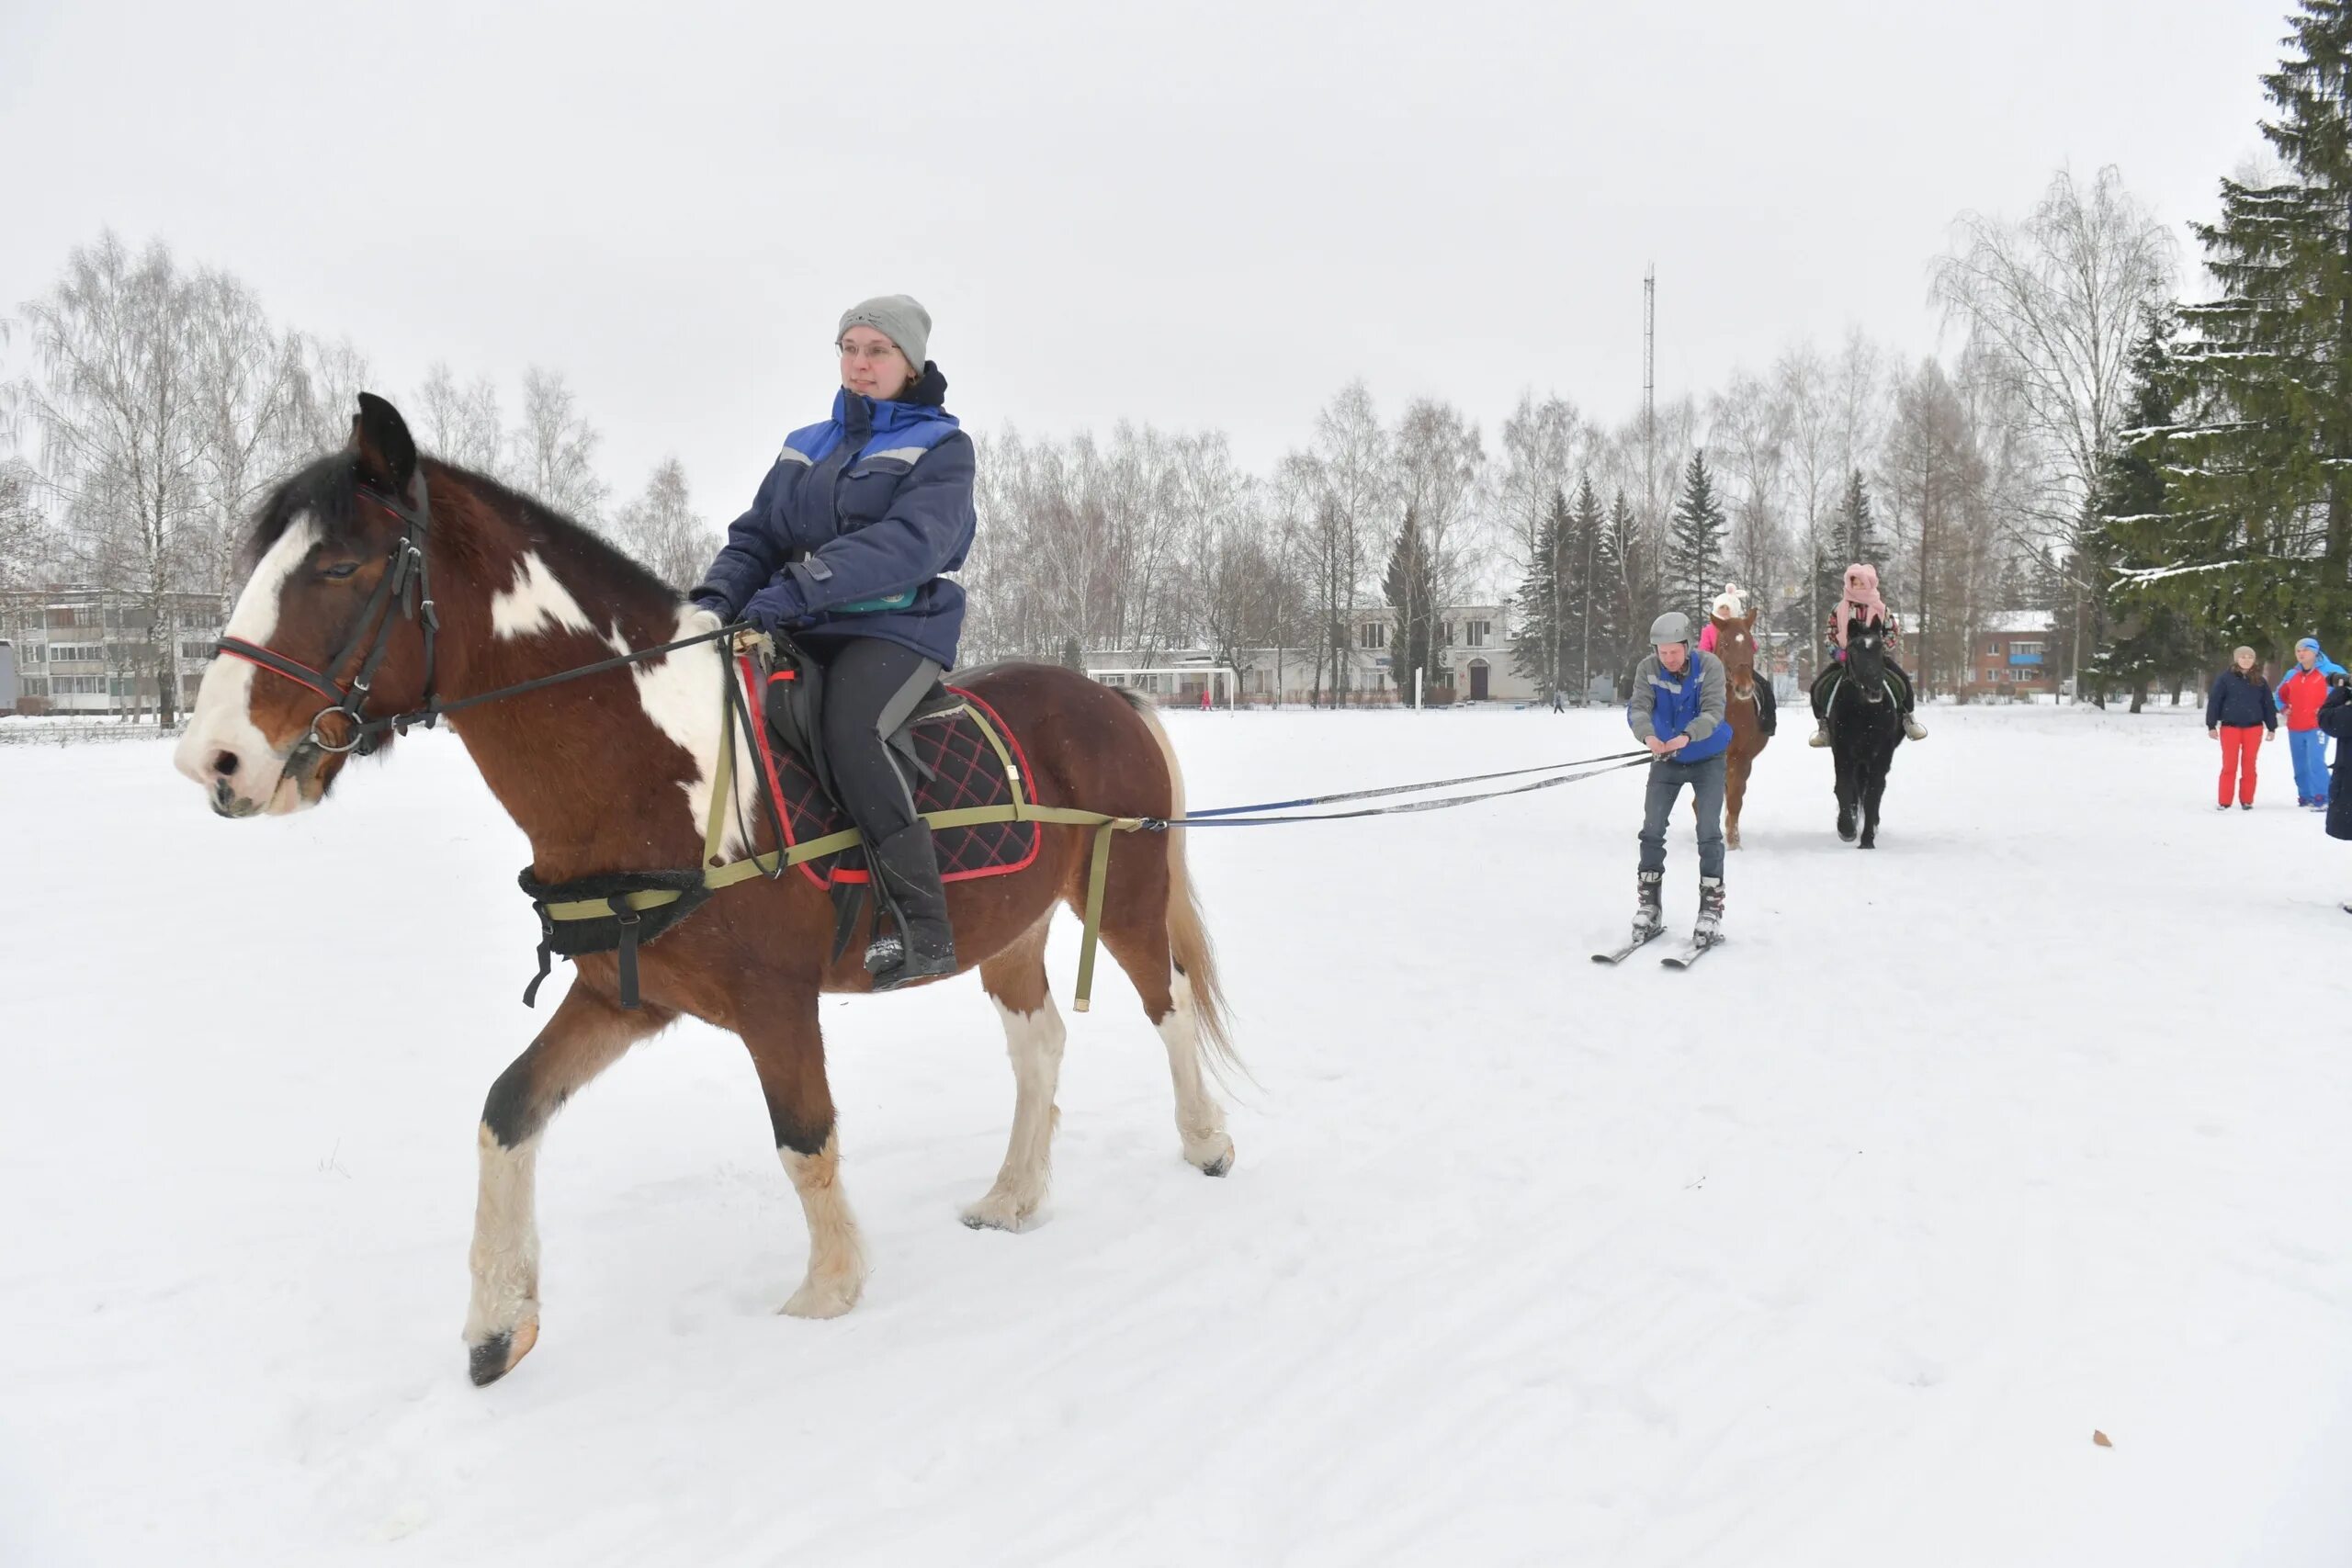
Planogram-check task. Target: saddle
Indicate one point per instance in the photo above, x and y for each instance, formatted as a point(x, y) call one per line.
point(957, 755)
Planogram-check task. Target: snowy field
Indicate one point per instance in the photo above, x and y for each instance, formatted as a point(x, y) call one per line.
point(2036, 1122)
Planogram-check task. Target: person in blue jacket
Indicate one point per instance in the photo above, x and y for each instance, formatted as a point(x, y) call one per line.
point(846, 546)
point(1677, 712)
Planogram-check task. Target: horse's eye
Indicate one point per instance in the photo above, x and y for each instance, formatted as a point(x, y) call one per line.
point(340, 571)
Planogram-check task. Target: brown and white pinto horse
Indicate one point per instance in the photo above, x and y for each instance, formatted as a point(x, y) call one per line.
point(1735, 646)
point(614, 773)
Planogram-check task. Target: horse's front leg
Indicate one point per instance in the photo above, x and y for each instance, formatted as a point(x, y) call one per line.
point(1873, 791)
point(1735, 791)
point(779, 1025)
point(1847, 795)
point(587, 1035)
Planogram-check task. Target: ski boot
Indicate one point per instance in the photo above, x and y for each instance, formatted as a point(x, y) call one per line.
point(1649, 910)
point(1710, 929)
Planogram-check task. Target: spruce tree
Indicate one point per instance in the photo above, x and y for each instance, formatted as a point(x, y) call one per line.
point(2263, 504)
point(1411, 591)
point(1545, 596)
point(1630, 596)
point(1857, 532)
point(1597, 573)
point(2160, 628)
point(1694, 555)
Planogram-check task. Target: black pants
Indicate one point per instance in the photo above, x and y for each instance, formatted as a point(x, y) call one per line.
point(870, 687)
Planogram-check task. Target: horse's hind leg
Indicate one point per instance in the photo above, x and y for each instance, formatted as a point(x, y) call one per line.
point(1015, 980)
point(586, 1034)
point(1135, 927)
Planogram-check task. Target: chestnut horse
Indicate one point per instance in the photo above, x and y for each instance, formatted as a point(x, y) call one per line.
point(1735, 646)
point(614, 773)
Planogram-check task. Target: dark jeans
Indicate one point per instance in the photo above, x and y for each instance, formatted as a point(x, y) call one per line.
point(870, 687)
point(1706, 782)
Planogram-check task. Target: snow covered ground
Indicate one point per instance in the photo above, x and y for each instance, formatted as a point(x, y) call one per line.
point(1835, 1250)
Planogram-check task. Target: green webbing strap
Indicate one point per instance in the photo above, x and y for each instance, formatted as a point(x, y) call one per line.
point(1096, 875)
point(717, 874)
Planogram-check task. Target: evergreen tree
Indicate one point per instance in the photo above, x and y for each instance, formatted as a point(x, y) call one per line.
point(2262, 531)
point(1414, 641)
point(1549, 599)
point(2159, 630)
point(1694, 555)
point(1630, 598)
point(1857, 532)
point(1598, 572)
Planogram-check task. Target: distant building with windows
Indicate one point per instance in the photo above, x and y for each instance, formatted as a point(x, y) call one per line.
point(1476, 639)
point(2009, 656)
point(82, 650)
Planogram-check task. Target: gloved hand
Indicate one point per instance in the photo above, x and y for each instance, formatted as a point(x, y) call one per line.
point(777, 605)
point(713, 606)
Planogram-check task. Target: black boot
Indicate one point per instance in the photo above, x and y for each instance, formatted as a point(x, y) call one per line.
point(922, 946)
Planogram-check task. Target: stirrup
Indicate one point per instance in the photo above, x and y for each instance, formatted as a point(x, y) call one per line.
point(1914, 728)
point(1820, 736)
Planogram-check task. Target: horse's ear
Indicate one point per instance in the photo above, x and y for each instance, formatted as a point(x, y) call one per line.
point(379, 438)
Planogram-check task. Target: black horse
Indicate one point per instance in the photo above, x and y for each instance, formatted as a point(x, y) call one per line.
point(1865, 727)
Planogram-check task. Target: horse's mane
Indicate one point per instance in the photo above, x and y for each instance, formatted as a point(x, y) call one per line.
point(327, 490)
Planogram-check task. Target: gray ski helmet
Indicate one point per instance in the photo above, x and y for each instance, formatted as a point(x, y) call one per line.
point(1672, 627)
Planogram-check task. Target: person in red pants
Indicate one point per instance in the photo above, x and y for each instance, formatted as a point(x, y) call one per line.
point(2242, 712)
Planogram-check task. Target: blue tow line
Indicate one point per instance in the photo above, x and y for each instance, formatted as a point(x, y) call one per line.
point(1256, 816)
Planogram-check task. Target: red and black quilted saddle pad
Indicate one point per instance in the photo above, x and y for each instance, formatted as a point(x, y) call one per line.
point(961, 769)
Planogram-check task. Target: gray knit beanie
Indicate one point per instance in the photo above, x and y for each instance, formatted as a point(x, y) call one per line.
point(1672, 627)
point(898, 316)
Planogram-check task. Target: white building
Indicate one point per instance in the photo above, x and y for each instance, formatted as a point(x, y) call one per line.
point(1477, 638)
point(82, 650)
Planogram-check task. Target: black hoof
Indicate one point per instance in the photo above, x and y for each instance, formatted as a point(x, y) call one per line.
point(1867, 844)
point(1218, 1166)
point(487, 1362)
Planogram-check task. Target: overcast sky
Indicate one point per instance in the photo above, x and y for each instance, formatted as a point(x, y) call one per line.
point(1193, 214)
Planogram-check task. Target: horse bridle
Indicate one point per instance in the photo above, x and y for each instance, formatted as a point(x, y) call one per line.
point(406, 582)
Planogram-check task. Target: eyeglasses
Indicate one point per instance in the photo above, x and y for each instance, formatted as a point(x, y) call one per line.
point(871, 353)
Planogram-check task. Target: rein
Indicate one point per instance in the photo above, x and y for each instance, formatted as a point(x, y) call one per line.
point(407, 579)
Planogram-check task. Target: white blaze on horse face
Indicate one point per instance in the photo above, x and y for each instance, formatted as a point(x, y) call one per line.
point(537, 602)
point(682, 696)
point(220, 725)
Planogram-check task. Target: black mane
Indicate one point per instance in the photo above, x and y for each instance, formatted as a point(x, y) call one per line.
point(328, 489)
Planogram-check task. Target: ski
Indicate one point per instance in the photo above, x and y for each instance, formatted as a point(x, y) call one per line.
point(1690, 952)
point(1619, 954)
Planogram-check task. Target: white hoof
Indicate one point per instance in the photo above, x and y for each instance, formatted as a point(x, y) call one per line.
point(1001, 1210)
point(823, 1298)
point(1211, 1155)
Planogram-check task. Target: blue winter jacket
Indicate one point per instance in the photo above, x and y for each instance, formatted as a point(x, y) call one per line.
point(2241, 702)
point(1666, 706)
point(856, 522)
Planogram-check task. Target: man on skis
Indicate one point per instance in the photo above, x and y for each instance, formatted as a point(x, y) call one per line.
point(1678, 713)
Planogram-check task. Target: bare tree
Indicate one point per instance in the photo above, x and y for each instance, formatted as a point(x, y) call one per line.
point(117, 407)
point(662, 531)
point(1748, 433)
point(461, 425)
point(2054, 303)
point(249, 389)
point(553, 449)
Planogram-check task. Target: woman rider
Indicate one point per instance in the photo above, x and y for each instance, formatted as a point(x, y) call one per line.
point(844, 546)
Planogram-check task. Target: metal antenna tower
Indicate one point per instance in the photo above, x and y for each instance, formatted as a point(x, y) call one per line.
point(1649, 399)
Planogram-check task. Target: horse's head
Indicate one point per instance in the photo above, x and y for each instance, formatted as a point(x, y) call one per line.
point(1866, 656)
point(1735, 646)
point(329, 624)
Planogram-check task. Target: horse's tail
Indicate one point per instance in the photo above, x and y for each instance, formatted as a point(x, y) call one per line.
point(1188, 937)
